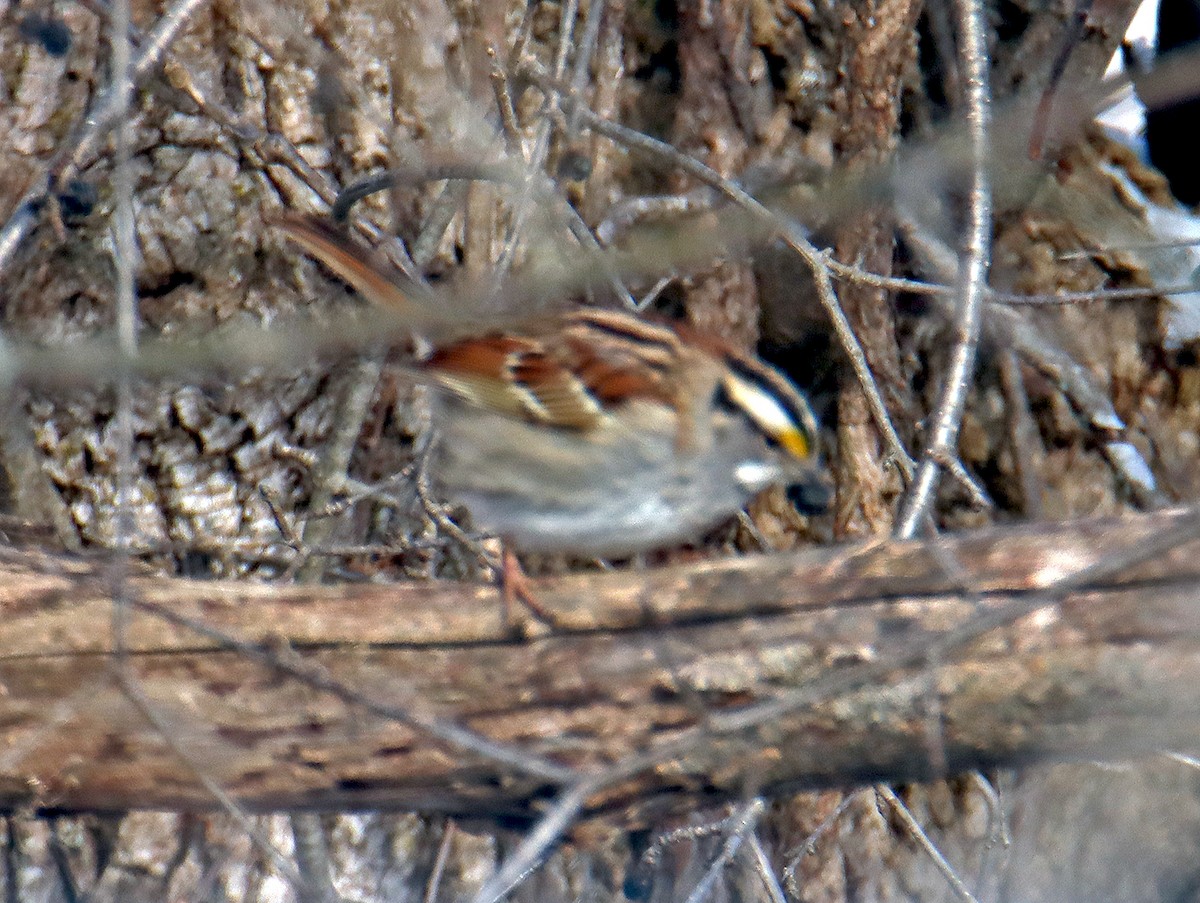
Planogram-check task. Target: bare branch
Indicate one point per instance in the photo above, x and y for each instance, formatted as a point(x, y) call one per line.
point(973, 269)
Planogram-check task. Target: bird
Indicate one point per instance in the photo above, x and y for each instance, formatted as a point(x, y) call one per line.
point(595, 432)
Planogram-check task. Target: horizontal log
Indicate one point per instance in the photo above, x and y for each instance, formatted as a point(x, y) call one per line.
point(676, 686)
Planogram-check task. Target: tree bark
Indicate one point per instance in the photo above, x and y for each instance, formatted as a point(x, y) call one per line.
point(677, 687)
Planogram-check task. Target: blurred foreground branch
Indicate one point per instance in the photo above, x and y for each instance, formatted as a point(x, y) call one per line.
point(338, 697)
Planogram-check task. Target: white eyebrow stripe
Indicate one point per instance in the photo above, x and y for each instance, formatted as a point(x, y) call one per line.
point(763, 407)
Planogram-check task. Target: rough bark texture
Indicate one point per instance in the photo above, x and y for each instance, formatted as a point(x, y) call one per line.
point(821, 668)
point(880, 52)
point(266, 105)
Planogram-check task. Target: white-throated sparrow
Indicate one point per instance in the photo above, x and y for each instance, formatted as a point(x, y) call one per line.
point(596, 432)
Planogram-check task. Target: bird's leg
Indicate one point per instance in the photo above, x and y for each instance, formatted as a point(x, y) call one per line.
point(515, 587)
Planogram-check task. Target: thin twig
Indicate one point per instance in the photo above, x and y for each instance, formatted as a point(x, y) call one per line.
point(857, 275)
point(972, 270)
point(991, 866)
point(546, 833)
point(742, 823)
point(1060, 299)
point(809, 846)
point(917, 832)
point(121, 91)
point(1183, 759)
point(584, 48)
point(998, 832)
point(762, 864)
point(439, 863)
point(504, 101)
point(541, 143)
point(654, 853)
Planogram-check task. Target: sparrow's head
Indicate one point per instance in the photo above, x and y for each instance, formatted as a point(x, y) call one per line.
point(784, 419)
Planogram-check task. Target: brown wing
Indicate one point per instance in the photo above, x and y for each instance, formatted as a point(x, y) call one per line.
point(570, 372)
point(514, 375)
